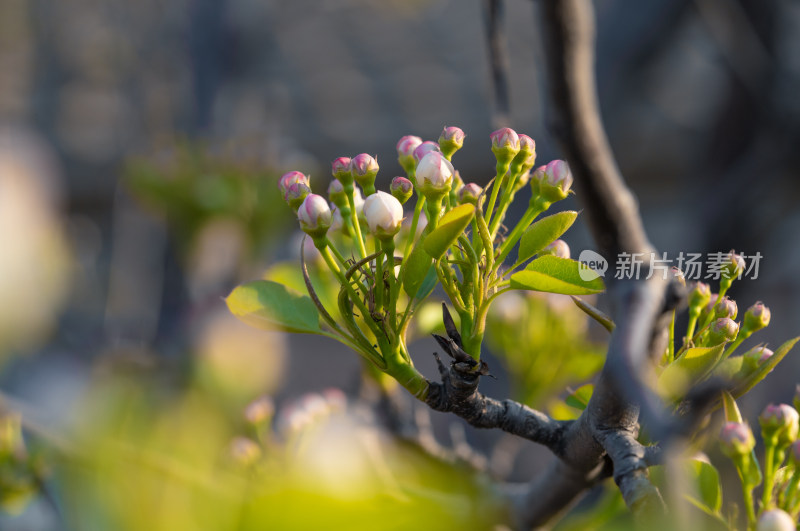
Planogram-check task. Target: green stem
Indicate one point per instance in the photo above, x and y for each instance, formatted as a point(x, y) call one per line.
point(350, 191)
point(388, 247)
point(749, 505)
point(769, 473)
point(414, 222)
point(378, 288)
point(693, 315)
point(671, 345)
point(536, 207)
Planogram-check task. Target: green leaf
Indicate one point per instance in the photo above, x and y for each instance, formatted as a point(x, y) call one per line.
point(732, 413)
point(552, 274)
point(450, 227)
point(272, 306)
point(693, 365)
point(416, 270)
point(543, 233)
point(579, 398)
point(749, 381)
point(706, 481)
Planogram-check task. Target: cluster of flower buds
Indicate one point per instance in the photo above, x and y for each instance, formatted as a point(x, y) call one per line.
point(736, 439)
point(295, 187)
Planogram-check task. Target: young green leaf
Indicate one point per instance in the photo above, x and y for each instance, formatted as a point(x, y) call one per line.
point(732, 413)
point(416, 270)
point(451, 225)
point(579, 398)
point(544, 232)
point(706, 480)
point(749, 381)
point(272, 306)
point(552, 274)
point(692, 366)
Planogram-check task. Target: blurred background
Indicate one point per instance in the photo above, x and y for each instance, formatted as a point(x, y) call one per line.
point(140, 145)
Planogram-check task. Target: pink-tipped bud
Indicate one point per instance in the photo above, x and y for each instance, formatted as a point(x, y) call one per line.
point(526, 157)
point(337, 221)
point(699, 297)
point(558, 248)
point(340, 168)
point(722, 330)
point(552, 182)
point(434, 175)
point(726, 308)
point(469, 193)
point(288, 179)
point(736, 439)
point(505, 143)
point(522, 181)
point(775, 520)
point(757, 356)
point(259, 411)
point(733, 266)
point(244, 451)
point(756, 317)
point(364, 168)
point(314, 215)
point(451, 140)
point(425, 148)
point(402, 189)
point(384, 215)
point(296, 194)
point(779, 423)
point(337, 195)
point(405, 152)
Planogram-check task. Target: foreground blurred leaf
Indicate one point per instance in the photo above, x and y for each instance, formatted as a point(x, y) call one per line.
point(706, 480)
point(450, 227)
point(272, 306)
point(552, 274)
point(692, 366)
point(544, 232)
point(579, 398)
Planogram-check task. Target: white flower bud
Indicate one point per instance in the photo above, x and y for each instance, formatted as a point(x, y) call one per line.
point(434, 175)
point(384, 214)
point(775, 520)
point(314, 215)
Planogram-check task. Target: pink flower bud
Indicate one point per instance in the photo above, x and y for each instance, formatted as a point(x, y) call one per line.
point(724, 329)
point(336, 194)
point(425, 148)
point(451, 140)
point(364, 168)
point(736, 439)
point(552, 182)
point(775, 520)
point(781, 422)
point(340, 168)
point(337, 221)
point(756, 317)
point(401, 189)
point(699, 296)
point(296, 194)
point(526, 157)
point(244, 452)
point(506, 139)
point(726, 308)
point(757, 356)
point(733, 266)
point(558, 248)
point(407, 145)
point(384, 214)
point(434, 175)
point(259, 411)
point(288, 179)
point(314, 215)
point(469, 193)
point(522, 181)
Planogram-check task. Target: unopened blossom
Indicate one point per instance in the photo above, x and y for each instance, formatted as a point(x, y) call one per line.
point(757, 356)
point(736, 439)
point(425, 148)
point(469, 193)
point(699, 296)
point(780, 421)
point(776, 520)
point(732, 266)
point(451, 140)
point(288, 179)
point(364, 168)
point(756, 317)
point(402, 189)
point(552, 182)
point(340, 168)
point(558, 248)
point(314, 215)
point(337, 195)
point(526, 157)
point(384, 214)
point(724, 329)
point(726, 308)
point(434, 175)
point(259, 411)
point(296, 194)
